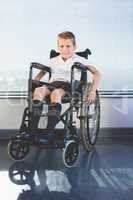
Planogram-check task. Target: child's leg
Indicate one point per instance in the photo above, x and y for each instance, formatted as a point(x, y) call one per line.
point(39, 94)
point(35, 115)
point(54, 110)
point(53, 116)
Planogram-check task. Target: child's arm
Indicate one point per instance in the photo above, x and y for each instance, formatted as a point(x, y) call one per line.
point(95, 83)
point(39, 75)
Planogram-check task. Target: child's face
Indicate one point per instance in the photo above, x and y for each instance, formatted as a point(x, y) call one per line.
point(66, 48)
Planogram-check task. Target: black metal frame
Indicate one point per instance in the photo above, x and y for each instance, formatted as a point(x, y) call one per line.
point(74, 106)
point(19, 145)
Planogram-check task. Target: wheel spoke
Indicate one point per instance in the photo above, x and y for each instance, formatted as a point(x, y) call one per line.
point(15, 173)
point(18, 153)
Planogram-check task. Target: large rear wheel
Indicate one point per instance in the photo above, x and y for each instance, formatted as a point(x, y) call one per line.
point(90, 121)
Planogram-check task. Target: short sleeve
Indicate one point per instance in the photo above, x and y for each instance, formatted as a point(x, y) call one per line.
point(87, 61)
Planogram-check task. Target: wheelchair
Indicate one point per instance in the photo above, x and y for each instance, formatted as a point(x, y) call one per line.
point(68, 138)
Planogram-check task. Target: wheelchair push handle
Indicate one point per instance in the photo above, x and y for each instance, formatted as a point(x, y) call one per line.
point(40, 66)
point(78, 65)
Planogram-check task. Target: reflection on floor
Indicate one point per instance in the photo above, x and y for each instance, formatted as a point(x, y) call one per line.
point(106, 173)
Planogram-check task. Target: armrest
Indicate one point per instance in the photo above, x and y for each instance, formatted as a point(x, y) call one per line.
point(80, 66)
point(40, 66)
point(83, 69)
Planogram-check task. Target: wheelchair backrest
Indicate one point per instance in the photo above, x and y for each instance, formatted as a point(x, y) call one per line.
point(83, 54)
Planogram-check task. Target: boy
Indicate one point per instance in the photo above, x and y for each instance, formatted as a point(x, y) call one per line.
point(60, 78)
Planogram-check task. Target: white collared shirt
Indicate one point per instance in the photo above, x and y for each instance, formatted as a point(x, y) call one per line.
point(61, 70)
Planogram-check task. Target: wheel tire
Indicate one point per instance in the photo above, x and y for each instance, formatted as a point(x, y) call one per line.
point(70, 153)
point(21, 173)
point(90, 122)
point(17, 149)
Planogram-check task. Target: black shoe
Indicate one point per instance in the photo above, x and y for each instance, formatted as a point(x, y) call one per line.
point(49, 139)
point(43, 141)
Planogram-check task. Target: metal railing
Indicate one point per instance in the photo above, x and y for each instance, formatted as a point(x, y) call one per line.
point(102, 93)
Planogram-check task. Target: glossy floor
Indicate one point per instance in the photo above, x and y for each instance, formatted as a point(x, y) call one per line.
point(106, 173)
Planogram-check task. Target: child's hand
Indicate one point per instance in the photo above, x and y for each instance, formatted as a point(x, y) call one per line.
point(91, 97)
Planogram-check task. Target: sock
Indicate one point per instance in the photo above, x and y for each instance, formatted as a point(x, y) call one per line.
point(53, 116)
point(35, 115)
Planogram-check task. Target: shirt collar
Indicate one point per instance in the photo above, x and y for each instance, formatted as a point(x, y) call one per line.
point(73, 56)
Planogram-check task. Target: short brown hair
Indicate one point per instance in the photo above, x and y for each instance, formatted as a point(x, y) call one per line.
point(68, 35)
